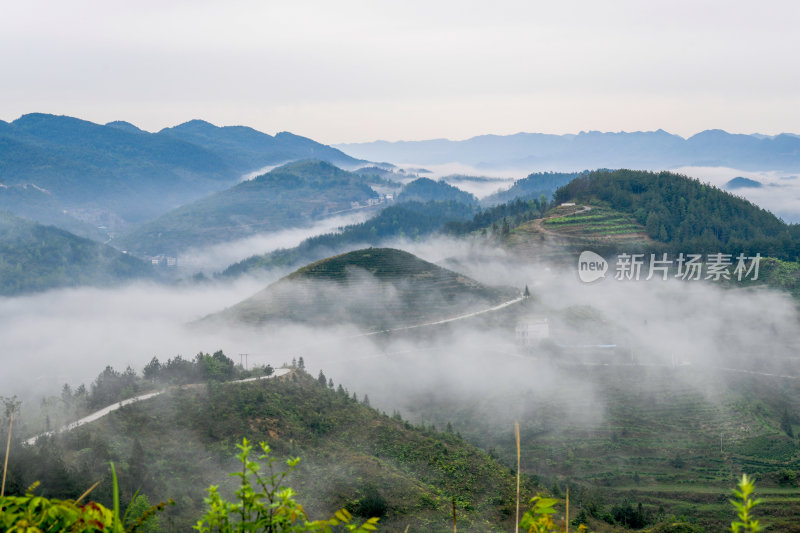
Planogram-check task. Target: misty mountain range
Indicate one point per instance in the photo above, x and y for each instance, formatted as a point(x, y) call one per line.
point(117, 174)
point(594, 149)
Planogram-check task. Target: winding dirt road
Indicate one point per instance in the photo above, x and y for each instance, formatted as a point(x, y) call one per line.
point(97, 415)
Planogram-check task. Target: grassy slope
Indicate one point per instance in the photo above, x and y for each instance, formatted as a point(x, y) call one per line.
point(401, 289)
point(348, 450)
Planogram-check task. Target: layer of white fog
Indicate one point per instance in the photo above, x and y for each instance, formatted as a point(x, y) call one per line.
point(779, 191)
point(216, 258)
point(69, 336)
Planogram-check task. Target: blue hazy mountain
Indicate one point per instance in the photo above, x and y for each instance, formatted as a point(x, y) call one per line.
point(427, 190)
point(132, 175)
point(288, 196)
point(593, 150)
point(743, 183)
point(252, 149)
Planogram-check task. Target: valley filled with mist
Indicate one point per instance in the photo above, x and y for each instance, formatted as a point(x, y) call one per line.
point(388, 311)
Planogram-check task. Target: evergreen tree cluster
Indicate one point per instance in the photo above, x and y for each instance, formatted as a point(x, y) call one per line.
point(501, 218)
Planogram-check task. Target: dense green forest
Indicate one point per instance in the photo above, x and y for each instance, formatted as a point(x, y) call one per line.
point(687, 215)
point(36, 258)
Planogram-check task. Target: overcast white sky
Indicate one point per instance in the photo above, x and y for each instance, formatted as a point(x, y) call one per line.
point(363, 70)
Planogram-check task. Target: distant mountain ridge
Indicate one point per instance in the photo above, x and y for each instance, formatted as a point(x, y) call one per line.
point(133, 174)
point(593, 149)
point(252, 148)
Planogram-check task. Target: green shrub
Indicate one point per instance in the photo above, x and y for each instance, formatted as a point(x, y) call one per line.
point(264, 504)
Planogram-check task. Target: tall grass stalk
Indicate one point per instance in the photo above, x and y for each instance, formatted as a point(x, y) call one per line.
point(86, 493)
point(455, 529)
point(516, 433)
point(8, 448)
point(117, 522)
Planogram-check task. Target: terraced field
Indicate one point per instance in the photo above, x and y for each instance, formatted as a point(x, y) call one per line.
point(597, 222)
point(674, 439)
point(571, 228)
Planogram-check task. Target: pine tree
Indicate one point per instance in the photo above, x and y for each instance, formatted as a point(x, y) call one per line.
point(322, 379)
point(786, 423)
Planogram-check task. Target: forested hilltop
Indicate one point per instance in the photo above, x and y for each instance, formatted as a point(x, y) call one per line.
point(686, 214)
point(373, 288)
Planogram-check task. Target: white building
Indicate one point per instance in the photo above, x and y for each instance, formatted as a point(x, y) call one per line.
point(532, 331)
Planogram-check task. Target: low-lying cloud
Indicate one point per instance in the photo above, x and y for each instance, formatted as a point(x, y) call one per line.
point(217, 257)
point(69, 336)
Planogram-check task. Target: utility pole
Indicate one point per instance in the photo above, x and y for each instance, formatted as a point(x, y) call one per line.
point(245, 359)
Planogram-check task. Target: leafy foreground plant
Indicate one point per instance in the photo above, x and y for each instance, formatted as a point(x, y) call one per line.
point(37, 514)
point(32, 514)
point(539, 518)
point(744, 504)
point(264, 505)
